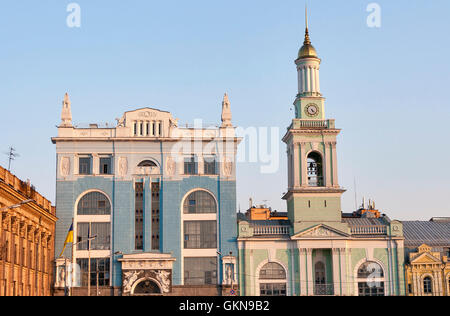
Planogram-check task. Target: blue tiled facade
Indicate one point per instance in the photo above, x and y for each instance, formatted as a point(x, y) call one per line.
point(119, 187)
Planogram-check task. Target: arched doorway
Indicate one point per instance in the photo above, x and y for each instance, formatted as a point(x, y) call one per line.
point(147, 287)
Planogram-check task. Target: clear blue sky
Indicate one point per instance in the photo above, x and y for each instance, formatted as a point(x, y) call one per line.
point(386, 88)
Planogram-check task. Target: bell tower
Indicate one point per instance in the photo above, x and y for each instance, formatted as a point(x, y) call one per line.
point(314, 193)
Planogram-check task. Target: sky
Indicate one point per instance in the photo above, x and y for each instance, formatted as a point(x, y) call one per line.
point(386, 87)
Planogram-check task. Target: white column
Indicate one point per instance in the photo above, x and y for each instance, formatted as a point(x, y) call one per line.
point(336, 272)
point(299, 78)
point(308, 79)
point(95, 164)
point(296, 168)
point(310, 277)
point(303, 79)
point(318, 79)
point(201, 163)
point(343, 262)
point(303, 274)
point(304, 161)
point(335, 166)
point(327, 165)
point(313, 79)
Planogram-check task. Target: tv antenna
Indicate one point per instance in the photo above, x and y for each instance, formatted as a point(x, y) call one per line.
point(12, 155)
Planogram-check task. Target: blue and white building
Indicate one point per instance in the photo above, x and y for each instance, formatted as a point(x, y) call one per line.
point(153, 204)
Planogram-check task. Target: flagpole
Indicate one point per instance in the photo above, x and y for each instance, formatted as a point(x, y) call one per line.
point(89, 261)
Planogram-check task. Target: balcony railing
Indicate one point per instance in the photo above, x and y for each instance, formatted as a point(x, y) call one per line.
point(369, 230)
point(264, 230)
point(320, 124)
point(323, 289)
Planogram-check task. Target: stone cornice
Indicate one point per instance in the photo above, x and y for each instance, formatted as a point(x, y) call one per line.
point(310, 190)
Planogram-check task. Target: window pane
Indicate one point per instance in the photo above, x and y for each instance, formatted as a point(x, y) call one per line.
point(85, 166)
point(94, 203)
point(200, 202)
point(100, 271)
point(190, 166)
point(200, 235)
point(200, 271)
point(272, 271)
point(105, 165)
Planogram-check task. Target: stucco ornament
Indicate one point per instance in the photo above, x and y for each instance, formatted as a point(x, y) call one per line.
point(163, 278)
point(123, 166)
point(130, 278)
point(170, 166)
point(65, 166)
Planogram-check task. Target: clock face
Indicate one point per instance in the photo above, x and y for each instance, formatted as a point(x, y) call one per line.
point(312, 110)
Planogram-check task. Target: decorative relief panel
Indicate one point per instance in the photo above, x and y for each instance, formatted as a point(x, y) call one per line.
point(65, 166)
point(170, 166)
point(123, 167)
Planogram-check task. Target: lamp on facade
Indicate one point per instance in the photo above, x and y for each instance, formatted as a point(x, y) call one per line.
point(16, 205)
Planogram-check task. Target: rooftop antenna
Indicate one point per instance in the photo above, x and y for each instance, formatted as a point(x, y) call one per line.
point(356, 196)
point(12, 155)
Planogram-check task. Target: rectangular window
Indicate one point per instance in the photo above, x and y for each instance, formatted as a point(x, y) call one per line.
point(85, 166)
point(190, 166)
point(200, 271)
point(101, 242)
point(139, 216)
point(100, 271)
point(105, 165)
point(273, 289)
point(210, 166)
point(155, 216)
point(200, 235)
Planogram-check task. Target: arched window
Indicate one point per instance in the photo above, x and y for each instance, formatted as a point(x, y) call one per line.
point(370, 269)
point(147, 163)
point(370, 279)
point(200, 202)
point(147, 287)
point(315, 170)
point(272, 278)
point(428, 285)
point(94, 203)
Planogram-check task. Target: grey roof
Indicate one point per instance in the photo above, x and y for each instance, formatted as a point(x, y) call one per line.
point(433, 234)
point(355, 221)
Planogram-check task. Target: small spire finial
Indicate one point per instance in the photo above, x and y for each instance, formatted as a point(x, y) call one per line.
point(66, 115)
point(226, 112)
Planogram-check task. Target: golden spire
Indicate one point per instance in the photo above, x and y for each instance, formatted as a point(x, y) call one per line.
point(307, 50)
point(307, 39)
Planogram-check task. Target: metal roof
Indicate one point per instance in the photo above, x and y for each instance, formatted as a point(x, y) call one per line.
point(366, 221)
point(431, 233)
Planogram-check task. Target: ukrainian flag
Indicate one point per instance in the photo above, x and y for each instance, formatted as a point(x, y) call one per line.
point(69, 239)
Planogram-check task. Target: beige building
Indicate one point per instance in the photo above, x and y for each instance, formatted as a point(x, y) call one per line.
point(427, 250)
point(26, 239)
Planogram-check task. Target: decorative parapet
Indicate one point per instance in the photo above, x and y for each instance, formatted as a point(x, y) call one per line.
point(26, 189)
point(312, 124)
point(247, 229)
point(369, 230)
